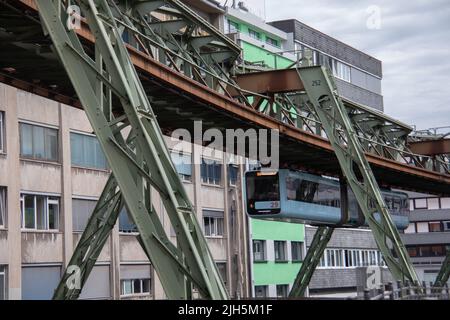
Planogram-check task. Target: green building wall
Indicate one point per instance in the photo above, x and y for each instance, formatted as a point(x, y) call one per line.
point(271, 272)
point(254, 53)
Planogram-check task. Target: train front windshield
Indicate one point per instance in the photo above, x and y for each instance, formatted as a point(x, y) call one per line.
point(263, 193)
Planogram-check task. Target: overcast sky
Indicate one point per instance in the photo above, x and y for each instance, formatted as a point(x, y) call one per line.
point(413, 42)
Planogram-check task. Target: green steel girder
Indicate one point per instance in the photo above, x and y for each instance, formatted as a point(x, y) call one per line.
point(311, 261)
point(136, 152)
point(329, 108)
point(444, 272)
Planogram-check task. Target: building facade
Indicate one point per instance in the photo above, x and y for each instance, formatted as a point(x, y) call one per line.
point(428, 235)
point(52, 172)
point(358, 75)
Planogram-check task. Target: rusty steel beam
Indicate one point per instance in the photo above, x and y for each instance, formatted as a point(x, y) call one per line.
point(431, 147)
point(269, 82)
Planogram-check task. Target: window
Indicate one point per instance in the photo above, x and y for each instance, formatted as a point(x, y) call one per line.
point(427, 251)
point(282, 290)
point(2, 132)
point(259, 250)
point(233, 27)
point(273, 42)
point(253, 34)
point(213, 223)
point(39, 212)
point(341, 71)
point(435, 227)
point(222, 267)
point(81, 211)
point(324, 193)
point(38, 142)
point(433, 203)
point(350, 258)
point(420, 204)
point(411, 228)
point(183, 164)
point(126, 224)
point(39, 282)
point(445, 203)
point(233, 172)
point(2, 207)
point(86, 152)
point(131, 287)
point(280, 251)
point(446, 225)
point(2, 282)
point(296, 250)
point(423, 227)
point(211, 172)
point(261, 291)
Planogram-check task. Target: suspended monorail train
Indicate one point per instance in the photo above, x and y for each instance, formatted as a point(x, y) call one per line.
point(298, 197)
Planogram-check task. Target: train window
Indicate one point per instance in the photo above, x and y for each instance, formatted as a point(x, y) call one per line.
point(313, 192)
point(263, 188)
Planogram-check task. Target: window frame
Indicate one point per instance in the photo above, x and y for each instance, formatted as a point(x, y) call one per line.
point(230, 181)
point(86, 136)
point(285, 288)
point(132, 283)
point(341, 70)
point(48, 200)
point(205, 168)
point(263, 245)
point(273, 42)
point(266, 291)
point(45, 128)
point(300, 247)
point(254, 34)
point(183, 177)
point(214, 232)
point(4, 274)
point(235, 25)
point(4, 205)
point(284, 246)
point(2, 132)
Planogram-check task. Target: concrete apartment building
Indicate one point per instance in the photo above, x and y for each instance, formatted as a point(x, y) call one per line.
point(52, 171)
point(428, 235)
point(358, 75)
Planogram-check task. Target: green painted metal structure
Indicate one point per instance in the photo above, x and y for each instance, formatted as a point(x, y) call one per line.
point(121, 115)
point(444, 273)
point(311, 261)
point(323, 97)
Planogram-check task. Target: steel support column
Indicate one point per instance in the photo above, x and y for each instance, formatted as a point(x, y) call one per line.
point(329, 108)
point(136, 152)
point(444, 273)
point(311, 261)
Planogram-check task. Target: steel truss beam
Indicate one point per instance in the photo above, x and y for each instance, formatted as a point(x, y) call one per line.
point(122, 118)
point(444, 273)
point(330, 110)
point(311, 261)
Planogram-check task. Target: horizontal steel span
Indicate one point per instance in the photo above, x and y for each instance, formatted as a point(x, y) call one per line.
point(178, 101)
